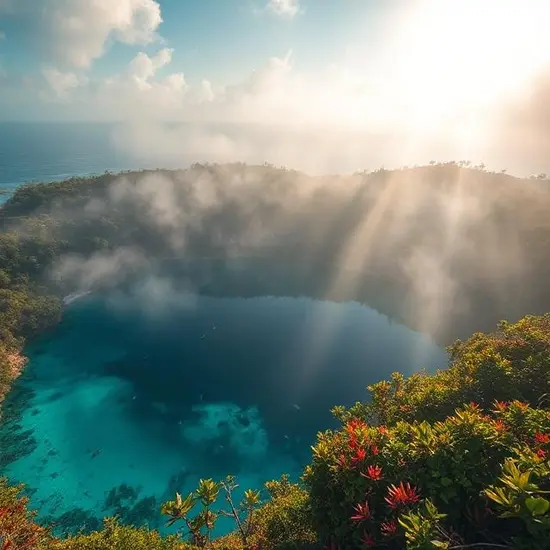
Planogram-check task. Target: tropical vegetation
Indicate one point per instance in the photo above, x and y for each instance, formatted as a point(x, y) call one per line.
point(452, 460)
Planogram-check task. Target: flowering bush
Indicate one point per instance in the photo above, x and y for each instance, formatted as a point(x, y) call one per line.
point(387, 486)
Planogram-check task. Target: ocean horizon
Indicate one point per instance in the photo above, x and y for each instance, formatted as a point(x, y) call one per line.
point(47, 151)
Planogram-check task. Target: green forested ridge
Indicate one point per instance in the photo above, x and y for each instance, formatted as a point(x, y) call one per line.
point(454, 459)
point(446, 249)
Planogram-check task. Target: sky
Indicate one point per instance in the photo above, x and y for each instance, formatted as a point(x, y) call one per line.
point(432, 77)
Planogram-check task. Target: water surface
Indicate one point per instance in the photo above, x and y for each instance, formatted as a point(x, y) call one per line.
point(124, 403)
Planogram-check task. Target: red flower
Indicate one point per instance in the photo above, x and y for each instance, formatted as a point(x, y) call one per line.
point(373, 472)
point(474, 405)
point(352, 442)
point(388, 528)
point(360, 455)
point(383, 430)
point(501, 405)
point(521, 405)
point(541, 438)
point(541, 453)
point(368, 540)
point(362, 512)
point(401, 495)
point(499, 426)
point(374, 450)
point(354, 424)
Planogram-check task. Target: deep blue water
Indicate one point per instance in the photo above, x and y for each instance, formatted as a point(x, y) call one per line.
point(202, 387)
point(47, 152)
point(154, 398)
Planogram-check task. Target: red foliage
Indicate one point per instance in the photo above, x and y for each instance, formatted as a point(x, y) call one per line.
point(362, 512)
point(368, 540)
point(373, 472)
point(343, 462)
point(359, 456)
point(389, 528)
point(354, 424)
point(401, 495)
point(500, 426)
point(542, 439)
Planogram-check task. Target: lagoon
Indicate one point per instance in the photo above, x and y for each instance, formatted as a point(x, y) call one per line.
point(135, 396)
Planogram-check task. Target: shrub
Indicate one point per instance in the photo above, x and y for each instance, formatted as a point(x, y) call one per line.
point(201, 524)
point(17, 528)
point(522, 493)
point(371, 485)
point(118, 537)
point(284, 521)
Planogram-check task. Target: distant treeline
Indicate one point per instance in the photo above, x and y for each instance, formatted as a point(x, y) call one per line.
point(444, 248)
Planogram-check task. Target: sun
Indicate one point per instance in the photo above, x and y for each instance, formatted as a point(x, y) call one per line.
point(449, 56)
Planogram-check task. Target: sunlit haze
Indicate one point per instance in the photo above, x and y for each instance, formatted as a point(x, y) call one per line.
point(368, 83)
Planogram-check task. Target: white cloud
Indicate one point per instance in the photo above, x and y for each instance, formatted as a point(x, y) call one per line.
point(81, 29)
point(62, 84)
point(139, 85)
point(143, 67)
point(76, 32)
point(284, 8)
point(206, 93)
point(123, 95)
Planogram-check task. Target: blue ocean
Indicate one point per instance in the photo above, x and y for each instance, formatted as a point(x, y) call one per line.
point(49, 151)
point(123, 405)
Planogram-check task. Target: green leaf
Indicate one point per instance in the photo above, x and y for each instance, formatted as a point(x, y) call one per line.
point(537, 506)
point(440, 544)
point(445, 481)
point(498, 496)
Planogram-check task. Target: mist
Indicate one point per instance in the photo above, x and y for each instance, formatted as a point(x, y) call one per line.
point(447, 249)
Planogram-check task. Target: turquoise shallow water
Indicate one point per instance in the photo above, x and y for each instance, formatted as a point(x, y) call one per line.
point(125, 403)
